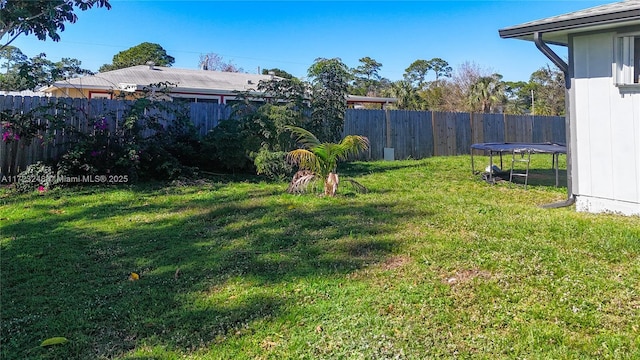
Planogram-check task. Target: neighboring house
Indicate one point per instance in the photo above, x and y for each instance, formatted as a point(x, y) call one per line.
point(603, 101)
point(23, 93)
point(188, 84)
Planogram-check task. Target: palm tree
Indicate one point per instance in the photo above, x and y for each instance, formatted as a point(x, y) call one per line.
point(406, 93)
point(486, 92)
point(321, 159)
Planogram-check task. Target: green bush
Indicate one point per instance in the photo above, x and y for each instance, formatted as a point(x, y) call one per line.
point(142, 144)
point(227, 148)
point(36, 176)
point(273, 164)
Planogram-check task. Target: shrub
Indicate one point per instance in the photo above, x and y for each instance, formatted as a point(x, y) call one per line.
point(139, 143)
point(102, 150)
point(273, 164)
point(226, 147)
point(36, 176)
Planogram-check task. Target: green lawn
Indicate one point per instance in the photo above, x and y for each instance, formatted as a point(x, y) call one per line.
point(430, 263)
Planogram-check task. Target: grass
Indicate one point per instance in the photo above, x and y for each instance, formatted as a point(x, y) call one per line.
point(430, 263)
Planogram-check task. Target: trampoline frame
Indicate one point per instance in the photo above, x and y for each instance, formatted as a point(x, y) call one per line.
point(519, 148)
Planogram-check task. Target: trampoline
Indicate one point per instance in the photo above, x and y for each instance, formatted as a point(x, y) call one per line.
point(519, 148)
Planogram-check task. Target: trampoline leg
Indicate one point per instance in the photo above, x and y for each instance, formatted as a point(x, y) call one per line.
point(473, 169)
point(491, 167)
point(557, 157)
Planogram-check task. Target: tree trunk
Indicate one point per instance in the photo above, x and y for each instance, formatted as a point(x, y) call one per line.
point(331, 184)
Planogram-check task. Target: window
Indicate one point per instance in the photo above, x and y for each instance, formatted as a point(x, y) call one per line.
point(99, 95)
point(627, 60)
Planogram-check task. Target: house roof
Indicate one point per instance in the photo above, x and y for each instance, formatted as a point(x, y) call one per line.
point(557, 28)
point(185, 80)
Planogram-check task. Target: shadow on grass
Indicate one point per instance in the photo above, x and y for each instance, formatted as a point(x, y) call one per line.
point(359, 168)
point(537, 177)
point(205, 265)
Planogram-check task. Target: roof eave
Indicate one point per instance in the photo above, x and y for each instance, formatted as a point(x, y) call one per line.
point(526, 31)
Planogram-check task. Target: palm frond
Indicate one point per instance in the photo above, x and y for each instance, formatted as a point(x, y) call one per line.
point(359, 188)
point(353, 145)
point(304, 137)
point(304, 158)
point(356, 142)
point(301, 181)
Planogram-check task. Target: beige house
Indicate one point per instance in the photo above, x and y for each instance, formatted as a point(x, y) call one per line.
point(188, 84)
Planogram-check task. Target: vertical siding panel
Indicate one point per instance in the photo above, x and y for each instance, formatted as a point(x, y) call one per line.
point(527, 130)
point(445, 131)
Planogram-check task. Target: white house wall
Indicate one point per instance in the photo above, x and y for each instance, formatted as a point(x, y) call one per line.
point(607, 131)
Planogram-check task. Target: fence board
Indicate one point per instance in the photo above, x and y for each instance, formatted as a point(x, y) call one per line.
point(477, 129)
point(493, 127)
point(549, 129)
point(372, 124)
point(463, 133)
point(444, 129)
point(426, 134)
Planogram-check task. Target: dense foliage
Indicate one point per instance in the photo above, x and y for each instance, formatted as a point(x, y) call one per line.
point(22, 73)
point(329, 82)
point(140, 54)
point(42, 18)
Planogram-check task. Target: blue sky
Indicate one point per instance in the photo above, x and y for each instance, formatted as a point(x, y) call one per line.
point(290, 35)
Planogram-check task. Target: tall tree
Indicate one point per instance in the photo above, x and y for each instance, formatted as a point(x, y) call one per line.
point(405, 93)
point(31, 74)
point(549, 91)
point(139, 55)
point(43, 18)
point(416, 73)
point(329, 82)
point(441, 68)
point(366, 77)
point(286, 90)
point(11, 57)
point(456, 91)
point(518, 96)
point(215, 62)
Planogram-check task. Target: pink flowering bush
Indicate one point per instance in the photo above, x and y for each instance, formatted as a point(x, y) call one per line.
point(135, 143)
point(19, 129)
point(17, 126)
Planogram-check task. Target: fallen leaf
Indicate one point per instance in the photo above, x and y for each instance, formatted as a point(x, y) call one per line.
point(54, 341)
point(134, 277)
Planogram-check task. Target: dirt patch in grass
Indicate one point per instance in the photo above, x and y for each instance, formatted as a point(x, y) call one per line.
point(395, 262)
point(466, 276)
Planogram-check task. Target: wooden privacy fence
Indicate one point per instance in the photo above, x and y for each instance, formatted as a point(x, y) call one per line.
point(420, 134)
point(412, 134)
point(15, 156)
